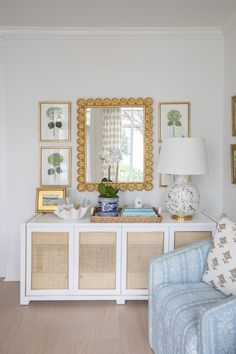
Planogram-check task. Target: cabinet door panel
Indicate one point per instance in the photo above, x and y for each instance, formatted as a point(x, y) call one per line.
point(183, 238)
point(97, 260)
point(140, 247)
point(50, 260)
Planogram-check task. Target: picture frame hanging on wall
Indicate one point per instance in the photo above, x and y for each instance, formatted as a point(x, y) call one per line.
point(55, 166)
point(173, 121)
point(47, 198)
point(54, 121)
point(233, 163)
point(233, 107)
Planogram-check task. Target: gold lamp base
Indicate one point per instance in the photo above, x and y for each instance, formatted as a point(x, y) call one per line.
point(181, 218)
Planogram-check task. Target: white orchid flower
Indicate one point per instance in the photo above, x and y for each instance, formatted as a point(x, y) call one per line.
point(112, 157)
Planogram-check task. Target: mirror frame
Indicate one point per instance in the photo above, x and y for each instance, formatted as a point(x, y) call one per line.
point(83, 104)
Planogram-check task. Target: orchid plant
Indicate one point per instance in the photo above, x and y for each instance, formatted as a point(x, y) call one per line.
point(112, 157)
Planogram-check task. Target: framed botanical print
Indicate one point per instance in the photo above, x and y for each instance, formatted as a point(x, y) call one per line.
point(233, 102)
point(47, 199)
point(55, 166)
point(173, 121)
point(233, 163)
point(54, 121)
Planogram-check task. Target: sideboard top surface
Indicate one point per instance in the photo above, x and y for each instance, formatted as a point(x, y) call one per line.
point(52, 219)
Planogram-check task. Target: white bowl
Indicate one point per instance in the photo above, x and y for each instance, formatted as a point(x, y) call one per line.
point(71, 214)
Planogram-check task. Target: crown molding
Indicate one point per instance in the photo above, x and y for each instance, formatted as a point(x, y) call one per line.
point(229, 26)
point(207, 33)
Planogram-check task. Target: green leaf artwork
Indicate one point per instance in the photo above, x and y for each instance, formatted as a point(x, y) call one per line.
point(55, 116)
point(55, 160)
point(174, 118)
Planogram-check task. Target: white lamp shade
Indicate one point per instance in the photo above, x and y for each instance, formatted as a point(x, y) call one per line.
point(183, 156)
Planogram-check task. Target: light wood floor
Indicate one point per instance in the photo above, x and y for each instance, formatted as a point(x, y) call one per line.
point(86, 327)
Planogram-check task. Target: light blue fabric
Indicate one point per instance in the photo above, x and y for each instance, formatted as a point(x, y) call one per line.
point(187, 316)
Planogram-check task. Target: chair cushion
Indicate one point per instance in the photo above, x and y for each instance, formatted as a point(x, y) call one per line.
point(220, 269)
point(178, 307)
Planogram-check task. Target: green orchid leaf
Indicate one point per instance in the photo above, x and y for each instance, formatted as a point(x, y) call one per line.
point(102, 188)
point(104, 179)
point(111, 191)
point(105, 195)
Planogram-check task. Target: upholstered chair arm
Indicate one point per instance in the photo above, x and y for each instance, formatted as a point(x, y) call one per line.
point(217, 326)
point(182, 265)
point(185, 264)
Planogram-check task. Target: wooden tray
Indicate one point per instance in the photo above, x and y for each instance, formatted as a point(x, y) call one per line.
point(124, 219)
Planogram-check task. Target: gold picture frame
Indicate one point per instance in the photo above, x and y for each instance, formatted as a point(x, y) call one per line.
point(233, 108)
point(47, 198)
point(83, 104)
point(55, 166)
point(175, 129)
point(233, 163)
point(54, 121)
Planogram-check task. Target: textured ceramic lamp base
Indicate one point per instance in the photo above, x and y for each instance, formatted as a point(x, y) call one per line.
point(182, 199)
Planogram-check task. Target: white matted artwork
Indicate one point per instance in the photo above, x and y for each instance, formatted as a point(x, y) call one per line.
point(54, 121)
point(173, 121)
point(55, 169)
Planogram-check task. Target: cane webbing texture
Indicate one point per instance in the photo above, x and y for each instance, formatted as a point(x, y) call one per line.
point(50, 260)
point(140, 247)
point(183, 238)
point(97, 260)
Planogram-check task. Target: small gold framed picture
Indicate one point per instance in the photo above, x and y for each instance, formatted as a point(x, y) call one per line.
point(233, 102)
point(54, 121)
point(47, 199)
point(233, 163)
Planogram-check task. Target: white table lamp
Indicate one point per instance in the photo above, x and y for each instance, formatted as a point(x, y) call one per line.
point(183, 157)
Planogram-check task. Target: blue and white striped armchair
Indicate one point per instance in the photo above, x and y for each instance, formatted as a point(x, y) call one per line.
point(187, 316)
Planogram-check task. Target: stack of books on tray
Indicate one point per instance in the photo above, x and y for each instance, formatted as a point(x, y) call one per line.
point(145, 211)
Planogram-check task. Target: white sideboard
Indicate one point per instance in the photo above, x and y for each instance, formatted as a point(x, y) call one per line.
point(66, 260)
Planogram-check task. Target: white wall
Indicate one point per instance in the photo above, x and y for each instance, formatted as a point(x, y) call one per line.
point(229, 189)
point(66, 69)
point(3, 165)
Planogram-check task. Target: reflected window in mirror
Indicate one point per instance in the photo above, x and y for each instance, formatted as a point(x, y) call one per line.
point(115, 128)
point(123, 125)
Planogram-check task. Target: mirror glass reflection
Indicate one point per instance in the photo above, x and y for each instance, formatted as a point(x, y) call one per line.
point(115, 128)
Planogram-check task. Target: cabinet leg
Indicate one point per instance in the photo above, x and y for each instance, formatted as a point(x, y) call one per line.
point(24, 301)
point(120, 301)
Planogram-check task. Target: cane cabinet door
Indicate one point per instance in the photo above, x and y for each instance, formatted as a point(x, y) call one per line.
point(98, 260)
point(50, 261)
point(184, 238)
point(139, 245)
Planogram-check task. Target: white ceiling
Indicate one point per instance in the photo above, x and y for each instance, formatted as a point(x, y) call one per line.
point(116, 13)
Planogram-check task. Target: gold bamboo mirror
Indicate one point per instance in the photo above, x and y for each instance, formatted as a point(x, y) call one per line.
point(108, 124)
